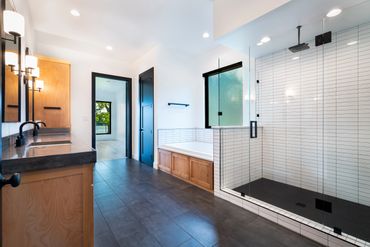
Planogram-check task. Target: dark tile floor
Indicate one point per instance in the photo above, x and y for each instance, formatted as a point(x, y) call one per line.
point(136, 205)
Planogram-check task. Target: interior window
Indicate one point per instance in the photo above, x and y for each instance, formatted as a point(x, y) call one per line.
point(224, 96)
point(103, 117)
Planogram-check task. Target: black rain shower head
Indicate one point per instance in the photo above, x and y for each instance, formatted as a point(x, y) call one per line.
point(299, 47)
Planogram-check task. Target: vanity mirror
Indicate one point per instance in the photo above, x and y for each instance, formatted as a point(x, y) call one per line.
point(11, 76)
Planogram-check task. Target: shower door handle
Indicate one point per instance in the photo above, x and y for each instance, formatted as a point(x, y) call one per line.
point(253, 129)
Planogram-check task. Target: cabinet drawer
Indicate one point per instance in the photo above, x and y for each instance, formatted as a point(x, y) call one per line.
point(201, 173)
point(180, 166)
point(164, 160)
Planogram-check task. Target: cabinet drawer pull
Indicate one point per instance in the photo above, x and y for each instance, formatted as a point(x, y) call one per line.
point(52, 108)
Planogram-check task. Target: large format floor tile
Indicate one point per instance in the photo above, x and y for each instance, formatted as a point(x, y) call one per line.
point(136, 205)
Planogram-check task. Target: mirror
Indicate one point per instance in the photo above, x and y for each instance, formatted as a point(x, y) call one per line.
point(11, 78)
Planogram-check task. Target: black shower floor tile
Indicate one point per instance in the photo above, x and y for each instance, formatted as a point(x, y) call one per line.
point(352, 218)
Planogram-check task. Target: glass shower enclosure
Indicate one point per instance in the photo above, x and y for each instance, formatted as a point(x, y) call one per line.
point(307, 149)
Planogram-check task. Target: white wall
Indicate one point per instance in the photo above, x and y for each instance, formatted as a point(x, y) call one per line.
point(178, 78)
point(82, 65)
point(113, 91)
point(230, 15)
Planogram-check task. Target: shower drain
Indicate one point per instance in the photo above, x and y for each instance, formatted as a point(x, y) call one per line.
point(300, 204)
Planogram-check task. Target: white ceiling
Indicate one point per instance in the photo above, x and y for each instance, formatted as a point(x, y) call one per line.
point(131, 27)
point(281, 23)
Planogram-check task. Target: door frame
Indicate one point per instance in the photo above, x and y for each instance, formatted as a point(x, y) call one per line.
point(140, 112)
point(128, 97)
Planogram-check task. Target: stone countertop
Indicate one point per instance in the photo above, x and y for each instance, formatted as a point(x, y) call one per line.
point(32, 156)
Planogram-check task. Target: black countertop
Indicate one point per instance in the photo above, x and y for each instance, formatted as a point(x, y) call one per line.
point(35, 155)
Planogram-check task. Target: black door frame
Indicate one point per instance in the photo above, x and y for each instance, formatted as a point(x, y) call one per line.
point(128, 109)
point(140, 112)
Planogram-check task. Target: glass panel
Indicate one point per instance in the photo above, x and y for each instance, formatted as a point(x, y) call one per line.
point(213, 100)
point(231, 98)
point(346, 123)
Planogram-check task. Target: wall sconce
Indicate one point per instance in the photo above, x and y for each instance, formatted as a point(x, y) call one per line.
point(35, 73)
point(11, 60)
point(39, 85)
point(13, 25)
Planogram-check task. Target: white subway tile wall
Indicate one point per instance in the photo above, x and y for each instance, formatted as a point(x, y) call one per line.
point(241, 156)
point(167, 136)
point(315, 114)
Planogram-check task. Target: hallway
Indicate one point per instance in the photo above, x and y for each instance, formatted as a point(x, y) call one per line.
point(136, 205)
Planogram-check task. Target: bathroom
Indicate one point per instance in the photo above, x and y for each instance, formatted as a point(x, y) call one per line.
point(251, 129)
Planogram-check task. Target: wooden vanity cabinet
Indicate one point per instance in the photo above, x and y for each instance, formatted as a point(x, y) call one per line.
point(50, 208)
point(192, 170)
point(52, 104)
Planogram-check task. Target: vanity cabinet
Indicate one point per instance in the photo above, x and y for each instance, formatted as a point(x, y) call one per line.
point(51, 207)
point(196, 171)
point(52, 103)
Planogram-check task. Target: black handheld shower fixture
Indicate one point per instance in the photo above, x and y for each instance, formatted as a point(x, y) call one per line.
point(299, 47)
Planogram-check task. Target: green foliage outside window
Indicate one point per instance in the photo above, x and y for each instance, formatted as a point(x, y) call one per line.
point(103, 117)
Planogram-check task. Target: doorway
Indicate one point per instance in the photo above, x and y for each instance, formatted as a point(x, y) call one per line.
point(111, 116)
point(146, 131)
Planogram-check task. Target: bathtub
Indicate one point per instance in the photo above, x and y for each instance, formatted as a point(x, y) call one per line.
point(201, 150)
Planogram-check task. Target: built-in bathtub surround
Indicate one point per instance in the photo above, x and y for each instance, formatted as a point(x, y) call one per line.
point(166, 136)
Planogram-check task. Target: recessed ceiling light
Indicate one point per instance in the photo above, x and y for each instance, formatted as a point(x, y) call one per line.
point(109, 48)
point(334, 12)
point(352, 42)
point(75, 12)
point(260, 43)
point(295, 58)
point(265, 39)
point(206, 35)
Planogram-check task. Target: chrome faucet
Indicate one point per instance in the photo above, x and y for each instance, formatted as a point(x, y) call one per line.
point(35, 129)
point(20, 138)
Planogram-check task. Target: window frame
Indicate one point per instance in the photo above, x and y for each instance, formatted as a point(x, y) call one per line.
point(206, 88)
point(110, 117)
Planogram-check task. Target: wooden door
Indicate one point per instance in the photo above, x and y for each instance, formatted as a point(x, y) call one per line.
point(52, 104)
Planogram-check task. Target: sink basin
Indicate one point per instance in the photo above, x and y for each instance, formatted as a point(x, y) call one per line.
point(48, 144)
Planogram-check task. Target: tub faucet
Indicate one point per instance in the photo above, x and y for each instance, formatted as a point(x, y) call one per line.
point(20, 138)
point(35, 129)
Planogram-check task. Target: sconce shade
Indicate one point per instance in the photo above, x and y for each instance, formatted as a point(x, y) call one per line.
point(13, 23)
point(36, 73)
point(29, 82)
point(11, 58)
point(31, 62)
point(39, 85)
